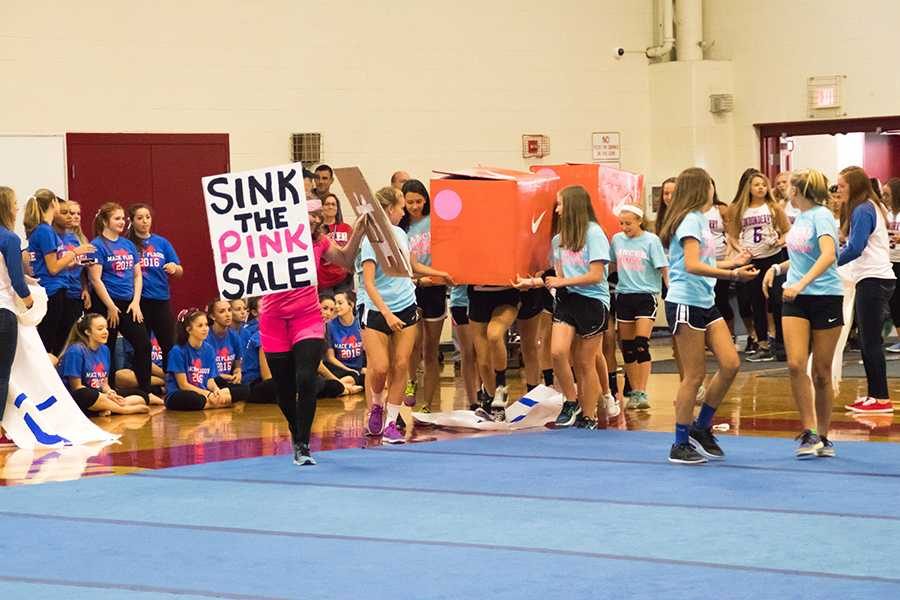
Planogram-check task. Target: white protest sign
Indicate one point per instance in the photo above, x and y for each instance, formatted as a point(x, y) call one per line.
point(259, 229)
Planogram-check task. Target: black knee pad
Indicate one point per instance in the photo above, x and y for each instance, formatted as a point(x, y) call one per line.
point(642, 349)
point(628, 351)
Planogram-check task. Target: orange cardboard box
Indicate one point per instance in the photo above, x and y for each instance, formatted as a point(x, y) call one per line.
point(608, 187)
point(489, 224)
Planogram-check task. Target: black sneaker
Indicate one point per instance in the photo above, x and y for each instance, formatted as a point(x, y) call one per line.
point(583, 422)
point(810, 444)
point(751, 347)
point(762, 355)
point(704, 442)
point(827, 449)
point(302, 457)
point(684, 454)
point(568, 414)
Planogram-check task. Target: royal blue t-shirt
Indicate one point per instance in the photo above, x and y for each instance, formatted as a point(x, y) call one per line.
point(92, 366)
point(226, 348)
point(198, 365)
point(118, 259)
point(43, 241)
point(346, 341)
point(125, 352)
point(156, 252)
point(72, 275)
point(250, 344)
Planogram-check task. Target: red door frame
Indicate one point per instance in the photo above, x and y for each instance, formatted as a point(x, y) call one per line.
point(771, 133)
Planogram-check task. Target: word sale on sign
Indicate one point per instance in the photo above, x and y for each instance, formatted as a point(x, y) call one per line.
point(259, 228)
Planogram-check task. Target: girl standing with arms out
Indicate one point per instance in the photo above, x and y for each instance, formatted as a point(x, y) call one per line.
point(78, 298)
point(159, 262)
point(431, 294)
point(50, 261)
point(85, 369)
point(642, 267)
point(890, 194)
point(13, 289)
point(389, 317)
point(867, 253)
point(758, 225)
point(292, 334)
point(813, 309)
point(692, 315)
point(226, 344)
point(118, 284)
point(191, 371)
point(334, 278)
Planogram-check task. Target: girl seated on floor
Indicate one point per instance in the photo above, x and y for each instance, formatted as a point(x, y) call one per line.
point(191, 370)
point(226, 343)
point(84, 368)
point(124, 376)
point(344, 355)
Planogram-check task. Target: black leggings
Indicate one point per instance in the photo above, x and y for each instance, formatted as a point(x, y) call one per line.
point(339, 372)
point(137, 336)
point(74, 308)
point(328, 388)
point(9, 335)
point(51, 326)
point(263, 392)
point(86, 397)
point(895, 299)
point(158, 319)
point(723, 300)
point(872, 300)
point(185, 400)
point(751, 295)
point(294, 373)
point(240, 392)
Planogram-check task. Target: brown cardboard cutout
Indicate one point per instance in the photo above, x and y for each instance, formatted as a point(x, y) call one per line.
point(391, 258)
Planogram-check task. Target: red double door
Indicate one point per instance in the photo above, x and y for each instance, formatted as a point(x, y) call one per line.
point(164, 171)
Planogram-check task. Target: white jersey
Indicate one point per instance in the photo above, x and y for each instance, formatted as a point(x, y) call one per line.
point(758, 234)
point(717, 228)
point(874, 262)
point(791, 212)
point(894, 227)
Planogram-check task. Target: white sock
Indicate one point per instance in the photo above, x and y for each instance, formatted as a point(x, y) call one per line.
point(378, 397)
point(393, 411)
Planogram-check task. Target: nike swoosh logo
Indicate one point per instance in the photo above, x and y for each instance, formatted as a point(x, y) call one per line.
point(535, 224)
point(832, 320)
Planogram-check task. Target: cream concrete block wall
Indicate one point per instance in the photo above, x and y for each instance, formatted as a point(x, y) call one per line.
point(401, 84)
point(776, 44)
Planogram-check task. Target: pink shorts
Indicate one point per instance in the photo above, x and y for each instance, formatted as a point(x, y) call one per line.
point(289, 317)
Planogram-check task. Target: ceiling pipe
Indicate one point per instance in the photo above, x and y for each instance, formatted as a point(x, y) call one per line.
point(668, 23)
point(689, 18)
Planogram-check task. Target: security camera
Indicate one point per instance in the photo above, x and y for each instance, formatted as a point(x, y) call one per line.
point(620, 52)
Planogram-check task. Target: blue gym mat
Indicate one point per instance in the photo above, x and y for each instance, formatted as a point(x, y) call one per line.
point(551, 514)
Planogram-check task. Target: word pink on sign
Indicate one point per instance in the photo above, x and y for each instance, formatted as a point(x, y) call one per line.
point(259, 228)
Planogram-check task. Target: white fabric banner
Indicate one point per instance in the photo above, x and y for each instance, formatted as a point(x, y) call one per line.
point(535, 409)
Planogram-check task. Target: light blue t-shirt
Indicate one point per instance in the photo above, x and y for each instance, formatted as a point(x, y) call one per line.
point(570, 263)
point(420, 240)
point(684, 287)
point(459, 296)
point(803, 251)
point(398, 293)
point(638, 261)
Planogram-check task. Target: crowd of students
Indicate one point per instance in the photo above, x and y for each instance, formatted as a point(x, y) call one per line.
point(362, 330)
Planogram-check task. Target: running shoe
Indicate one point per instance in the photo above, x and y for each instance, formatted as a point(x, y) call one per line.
point(705, 443)
point(751, 346)
point(568, 414)
point(425, 409)
point(583, 422)
point(611, 405)
point(409, 394)
point(871, 405)
point(684, 454)
point(827, 449)
point(500, 395)
point(375, 422)
point(645, 401)
point(762, 355)
point(894, 348)
point(634, 401)
point(302, 457)
point(392, 434)
point(810, 444)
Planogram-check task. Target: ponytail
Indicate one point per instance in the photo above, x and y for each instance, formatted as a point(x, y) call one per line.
point(35, 209)
point(79, 332)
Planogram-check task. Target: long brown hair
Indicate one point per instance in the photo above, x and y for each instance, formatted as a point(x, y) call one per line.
point(742, 203)
point(691, 193)
point(80, 330)
point(577, 215)
point(7, 204)
point(35, 209)
point(859, 190)
point(103, 215)
point(130, 233)
point(663, 207)
point(894, 185)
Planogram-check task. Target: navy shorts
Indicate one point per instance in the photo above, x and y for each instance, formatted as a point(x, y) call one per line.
point(372, 319)
point(631, 307)
point(822, 312)
point(588, 316)
point(693, 316)
point(432, 301)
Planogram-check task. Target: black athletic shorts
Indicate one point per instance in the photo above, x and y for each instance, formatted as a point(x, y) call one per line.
point(375, 320)
point(534, 302)
point(631, 307)
point(692, 316)
point(482, 304)
point(459, 315)
point(588, 316)
point(822, 312)
point(432, 301)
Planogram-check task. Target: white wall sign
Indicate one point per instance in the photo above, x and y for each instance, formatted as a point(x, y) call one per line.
point(259, 228)
point(605, 147)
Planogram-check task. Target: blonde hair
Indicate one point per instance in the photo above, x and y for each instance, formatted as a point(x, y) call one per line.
point(77, 231)
point(577, 215)
point(7, 207)
point(36, 207)
point(691, 193)
point(388, 196)
point(79, 334)
point(812, 185)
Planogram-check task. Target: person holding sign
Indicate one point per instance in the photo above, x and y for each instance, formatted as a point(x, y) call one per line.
point(389, 315)
point(117, 281)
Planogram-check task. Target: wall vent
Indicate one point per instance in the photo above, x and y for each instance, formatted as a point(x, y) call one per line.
point(306, 148)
